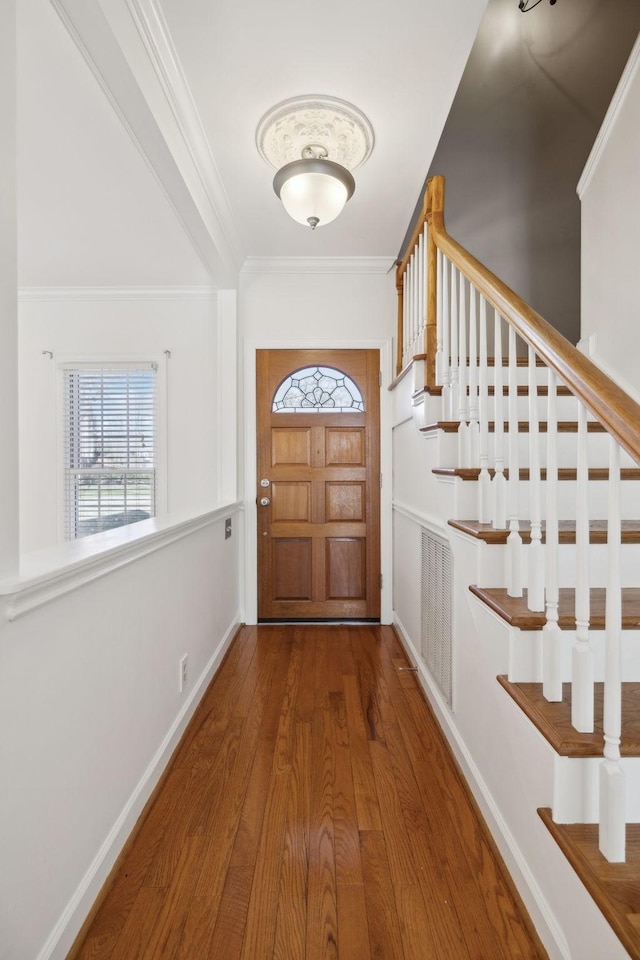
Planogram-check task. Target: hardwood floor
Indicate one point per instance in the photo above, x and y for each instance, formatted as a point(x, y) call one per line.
point(312, 811)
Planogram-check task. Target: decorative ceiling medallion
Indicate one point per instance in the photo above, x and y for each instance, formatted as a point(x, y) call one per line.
point(290, 127)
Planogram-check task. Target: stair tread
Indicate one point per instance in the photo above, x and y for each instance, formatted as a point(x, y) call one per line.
point(515, 612)
point(553, 720)
point(520, 361)
point(564, 473)
point(615, 887)
point(563, 426)
point(523, 391)
point(566, 531)
point(435, 391)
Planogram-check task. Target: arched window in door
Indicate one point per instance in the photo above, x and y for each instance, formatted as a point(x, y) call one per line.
point(322, 389)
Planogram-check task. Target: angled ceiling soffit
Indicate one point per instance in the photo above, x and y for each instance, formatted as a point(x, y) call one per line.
point(196, 195)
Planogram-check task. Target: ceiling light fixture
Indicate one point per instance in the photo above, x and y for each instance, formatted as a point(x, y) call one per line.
point(314, 189)
point(526, 5)
point(314, 143)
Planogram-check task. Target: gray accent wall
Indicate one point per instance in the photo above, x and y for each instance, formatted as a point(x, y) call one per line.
point(527, 111)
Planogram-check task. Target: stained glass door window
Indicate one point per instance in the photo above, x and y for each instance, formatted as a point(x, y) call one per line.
point(318, 388)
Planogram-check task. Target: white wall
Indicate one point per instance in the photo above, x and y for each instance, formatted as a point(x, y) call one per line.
point(610, 194)
point(314, 304)
point(311, 304)
point(8, 308)
point(115, 326)
point(90, 710)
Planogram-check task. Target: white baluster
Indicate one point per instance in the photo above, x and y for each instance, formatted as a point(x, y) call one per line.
point(425, 289)
point(412, 310)
point(499, 483)
point(420, 305)
point(439, 319)
point(464, 459)
point(514, 540)
point(551, 633)
point(474, 430)
point(484, 480)
point(455, 356)
point(535, 592)
point(416, 299)
point(405, 318)
point(612, 780)
point(582, 662)
point(446, 341)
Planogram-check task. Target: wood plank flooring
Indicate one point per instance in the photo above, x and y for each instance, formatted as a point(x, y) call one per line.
point(312, 811)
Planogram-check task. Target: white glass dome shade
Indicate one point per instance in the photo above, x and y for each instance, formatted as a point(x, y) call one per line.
point(313, 191)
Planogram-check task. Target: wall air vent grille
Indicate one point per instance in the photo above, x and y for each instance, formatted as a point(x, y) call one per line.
point(436, 611)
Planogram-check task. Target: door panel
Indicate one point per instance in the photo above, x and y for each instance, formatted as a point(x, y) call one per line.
point(345, 446)
point(292, 568)
point(319, 532)
point(291, 501)
point(345, 501)
point(290, 446)
point(345, 568)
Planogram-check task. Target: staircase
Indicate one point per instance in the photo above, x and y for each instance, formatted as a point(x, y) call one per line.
point(528, 467)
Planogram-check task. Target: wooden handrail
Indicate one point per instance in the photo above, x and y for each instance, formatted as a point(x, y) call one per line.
point(609, 404)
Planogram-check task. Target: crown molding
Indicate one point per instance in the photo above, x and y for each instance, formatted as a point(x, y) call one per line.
point(318, 265)
point(30, 294)
point(611, 116)
point(156, 37)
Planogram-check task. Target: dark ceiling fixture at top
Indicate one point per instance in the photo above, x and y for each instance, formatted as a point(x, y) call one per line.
point(526, 5)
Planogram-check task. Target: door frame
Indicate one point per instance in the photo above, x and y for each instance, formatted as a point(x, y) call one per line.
point(384, 345)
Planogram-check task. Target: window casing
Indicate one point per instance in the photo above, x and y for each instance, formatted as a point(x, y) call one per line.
point(110, 434)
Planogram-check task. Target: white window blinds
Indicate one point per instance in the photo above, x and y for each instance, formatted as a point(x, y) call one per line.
point(109, 446)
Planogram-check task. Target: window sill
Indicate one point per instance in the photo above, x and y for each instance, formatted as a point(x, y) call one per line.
point(50, 573)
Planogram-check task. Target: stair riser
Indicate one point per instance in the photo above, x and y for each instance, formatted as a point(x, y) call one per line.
point(522, 376)
point(597, 492)
point(525, 654)
point(597, 451)
point(492, 560)
point(576, 789)
point(567, 450)
point(566, 408)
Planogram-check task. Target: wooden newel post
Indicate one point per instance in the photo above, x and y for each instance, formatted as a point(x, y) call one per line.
point(434, 208)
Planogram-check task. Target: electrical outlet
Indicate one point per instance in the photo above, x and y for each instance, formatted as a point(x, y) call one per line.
point(184, 672)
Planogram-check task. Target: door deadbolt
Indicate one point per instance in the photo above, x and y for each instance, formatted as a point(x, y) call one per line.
point(264, 482)
point(264, 501)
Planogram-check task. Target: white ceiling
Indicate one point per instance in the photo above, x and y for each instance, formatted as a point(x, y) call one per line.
point(195, 79)
point(399, 63)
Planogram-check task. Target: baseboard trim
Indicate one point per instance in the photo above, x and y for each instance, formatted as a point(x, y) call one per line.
point(526, 884)
point(66, 937)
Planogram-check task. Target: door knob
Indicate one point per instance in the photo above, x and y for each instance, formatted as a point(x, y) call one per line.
point(264, 501)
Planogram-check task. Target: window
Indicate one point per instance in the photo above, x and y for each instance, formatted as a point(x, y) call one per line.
point(317, 388)
point(110, 446)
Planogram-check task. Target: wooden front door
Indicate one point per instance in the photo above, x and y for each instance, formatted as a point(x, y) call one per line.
point(318, 484)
